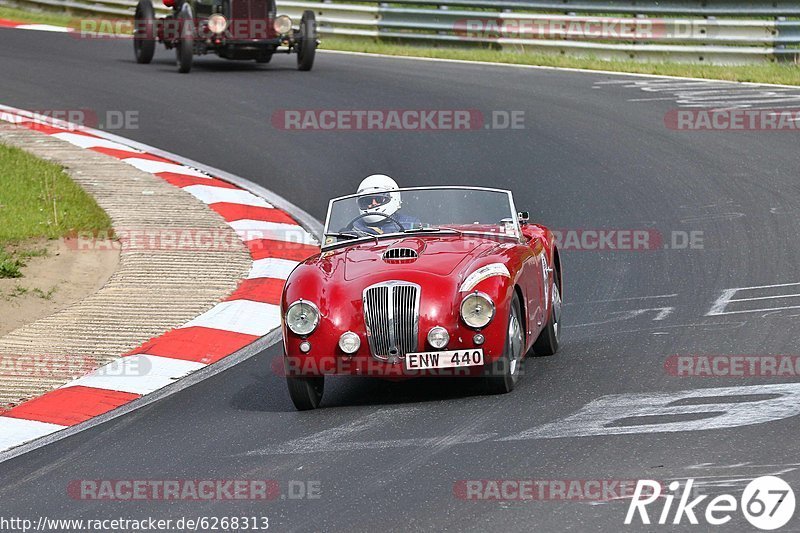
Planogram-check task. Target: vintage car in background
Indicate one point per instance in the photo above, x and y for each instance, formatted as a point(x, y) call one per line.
point(468, 289)
point(232, 29)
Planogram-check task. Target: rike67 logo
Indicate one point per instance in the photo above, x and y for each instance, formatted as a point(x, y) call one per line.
point(767, 503)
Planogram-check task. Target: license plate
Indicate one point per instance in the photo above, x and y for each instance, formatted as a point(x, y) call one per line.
point(448, 359)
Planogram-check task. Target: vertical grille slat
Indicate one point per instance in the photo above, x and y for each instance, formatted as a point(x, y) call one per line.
point(391, 313)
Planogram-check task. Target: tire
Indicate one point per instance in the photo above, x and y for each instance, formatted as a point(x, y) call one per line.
point(184, 50)
point(308, 41)
point(306, 392)
point(264, 58)
point(144, 35)
point(505, 372)
point(547, 343)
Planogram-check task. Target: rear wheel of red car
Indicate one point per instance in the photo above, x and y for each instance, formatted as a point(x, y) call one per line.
point(306, 392)
point(547, 343)
point(505, 372)
point(308, 41)
point(144, 41)
point(184, 50)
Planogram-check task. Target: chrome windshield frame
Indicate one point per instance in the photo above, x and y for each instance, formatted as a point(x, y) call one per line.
point(512, 207)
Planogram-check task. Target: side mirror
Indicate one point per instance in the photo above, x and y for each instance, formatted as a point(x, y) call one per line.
point(524, 217)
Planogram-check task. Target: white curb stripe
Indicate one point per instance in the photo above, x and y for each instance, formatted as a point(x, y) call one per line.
point(138, 374)
point(16, 431)
point(154, 167)
point(272, 267)
point(240, 316)
point(250, 230)
point(44, 27)
point(214, 195)
point(89, 141)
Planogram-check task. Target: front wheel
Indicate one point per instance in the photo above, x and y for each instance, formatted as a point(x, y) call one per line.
point(308, 41)
point(306, 392)
point(184, 50)
point(504, 374)
point(548, 341)
point(144, 38)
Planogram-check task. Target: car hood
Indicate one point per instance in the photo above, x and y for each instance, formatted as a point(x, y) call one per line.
point(435, 255)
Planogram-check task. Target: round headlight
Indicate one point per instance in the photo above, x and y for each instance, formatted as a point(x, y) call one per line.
point(477, 310)
point(349, 342)
point(282, 24)
point(438, 337)
point(302, 317)
point(217, 23)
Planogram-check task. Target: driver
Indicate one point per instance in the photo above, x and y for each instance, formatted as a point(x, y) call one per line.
point(380, 208)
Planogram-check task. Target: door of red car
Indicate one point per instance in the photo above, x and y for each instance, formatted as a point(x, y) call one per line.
point(534, 263)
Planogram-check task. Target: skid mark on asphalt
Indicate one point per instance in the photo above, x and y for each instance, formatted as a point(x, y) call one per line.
point(709, 94)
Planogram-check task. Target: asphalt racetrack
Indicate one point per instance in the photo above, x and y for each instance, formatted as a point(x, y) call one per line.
point(594, 153)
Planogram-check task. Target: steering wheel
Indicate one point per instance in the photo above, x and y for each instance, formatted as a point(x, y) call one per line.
point(364, 215)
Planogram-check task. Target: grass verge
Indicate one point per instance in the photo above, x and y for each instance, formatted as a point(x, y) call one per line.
point(778, 73)
point(38, 200)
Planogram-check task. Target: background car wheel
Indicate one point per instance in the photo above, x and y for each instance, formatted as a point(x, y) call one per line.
point(505, 372)
point(308, 41)
point(184, 50)
point(144, 42)
point(547, 343)
point(306, 392)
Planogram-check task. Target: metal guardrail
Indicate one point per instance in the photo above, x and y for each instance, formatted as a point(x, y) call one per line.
point(676, 30)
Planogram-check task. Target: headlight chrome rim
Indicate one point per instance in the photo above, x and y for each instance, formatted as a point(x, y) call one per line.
point(489, 301)
point(315, 311)
point(443, 335)
point(217, 23)
point(353, 337)
point(282, 24)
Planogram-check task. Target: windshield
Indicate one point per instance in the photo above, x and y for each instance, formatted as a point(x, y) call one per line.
point(421, 210)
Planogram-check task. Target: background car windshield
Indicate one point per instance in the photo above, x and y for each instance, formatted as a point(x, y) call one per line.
point(473, 210)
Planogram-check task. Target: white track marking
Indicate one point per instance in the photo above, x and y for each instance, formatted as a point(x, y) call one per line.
point(138, 374)
point(597, 417)
point(241, 316)
point(214, 195)
point(720, 306)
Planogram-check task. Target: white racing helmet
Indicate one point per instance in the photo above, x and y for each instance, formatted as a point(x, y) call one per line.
point(377, 198)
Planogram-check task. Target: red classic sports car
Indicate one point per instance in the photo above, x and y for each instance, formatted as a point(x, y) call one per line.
point(454, 281)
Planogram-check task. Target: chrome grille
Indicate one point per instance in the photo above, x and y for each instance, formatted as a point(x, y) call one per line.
point(391, 314)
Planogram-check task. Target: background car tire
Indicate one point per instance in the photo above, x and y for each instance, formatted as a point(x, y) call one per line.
point(308, 41)
point(184, 51)
point(144, 41)
point(264, 58)
point(504, 373)
point(306, 392)
point(547, 343)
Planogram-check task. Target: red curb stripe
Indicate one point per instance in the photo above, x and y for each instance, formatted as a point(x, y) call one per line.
point(264, 290)
point(71, 405)
point(196, 343)
point(126, 154)
point(233, 212)
point(264, 248)
point(5, 23)
point(184, 180)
